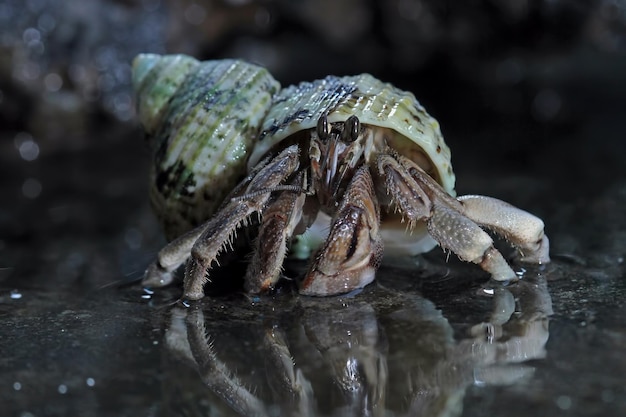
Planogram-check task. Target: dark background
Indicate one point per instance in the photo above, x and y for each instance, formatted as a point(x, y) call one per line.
point(531, 97)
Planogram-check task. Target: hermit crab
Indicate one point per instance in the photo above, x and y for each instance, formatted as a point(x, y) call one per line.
point(346, 166)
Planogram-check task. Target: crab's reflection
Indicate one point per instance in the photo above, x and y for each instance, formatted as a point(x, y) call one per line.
point(380, 353)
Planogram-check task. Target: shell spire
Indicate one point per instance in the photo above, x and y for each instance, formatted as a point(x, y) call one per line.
point(202, 119)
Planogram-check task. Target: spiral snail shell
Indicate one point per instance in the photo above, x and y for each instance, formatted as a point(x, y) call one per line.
point(202, 119)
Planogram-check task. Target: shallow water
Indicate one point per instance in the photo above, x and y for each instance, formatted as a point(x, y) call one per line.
point(445, 346)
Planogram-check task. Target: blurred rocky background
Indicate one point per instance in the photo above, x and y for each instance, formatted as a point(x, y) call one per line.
point(65, 64)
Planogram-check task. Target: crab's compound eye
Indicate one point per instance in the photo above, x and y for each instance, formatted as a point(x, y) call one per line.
point(322, 127)
point(351, 129)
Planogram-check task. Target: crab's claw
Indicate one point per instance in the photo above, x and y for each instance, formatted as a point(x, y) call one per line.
point(349, 258)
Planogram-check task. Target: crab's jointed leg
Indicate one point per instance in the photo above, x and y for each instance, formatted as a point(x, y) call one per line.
point(519, 227)
point(161, 272)
point(349, 257)
point(279, 221)
point(419, 197)
point(465, 238)
point(220, 230)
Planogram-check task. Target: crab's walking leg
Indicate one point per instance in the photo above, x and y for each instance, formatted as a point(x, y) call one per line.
point(419, 197)
point(161, 272)
point(278, 223)
point(519, 227)
point(462, 236)
point(353, 250)
point(222, 227)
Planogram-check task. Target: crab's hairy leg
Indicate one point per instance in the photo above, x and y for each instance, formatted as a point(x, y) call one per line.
point(522, 229)
point(453, 231)
point(442, 213)
point(406, 195)
point(353, 250)
point(162, 271)
point(519, 227)
point(280, 219)
point(221, 229)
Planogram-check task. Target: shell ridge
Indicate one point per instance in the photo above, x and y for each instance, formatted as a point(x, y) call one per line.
point(373, 101)
point(193, 169)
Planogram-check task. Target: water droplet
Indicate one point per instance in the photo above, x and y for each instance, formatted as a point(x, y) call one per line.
point(31, 35)
point(26, 146)
point(62, 389)
point(16, 295)
point(90, 382)
point(17, 386)
point(564, 402)
point(31, 188)
point(53, 82)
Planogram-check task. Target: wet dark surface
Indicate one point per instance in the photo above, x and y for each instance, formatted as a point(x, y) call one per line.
point(431, 337)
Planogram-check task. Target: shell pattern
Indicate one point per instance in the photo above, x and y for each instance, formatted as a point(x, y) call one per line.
point(375, 103)
point(202, 119)
point(206, 119)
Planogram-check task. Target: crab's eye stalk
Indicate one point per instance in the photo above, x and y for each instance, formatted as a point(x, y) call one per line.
point(351, 129)
point(322, 127)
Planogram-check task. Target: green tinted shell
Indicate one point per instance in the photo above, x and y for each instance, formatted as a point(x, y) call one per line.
point(201, 119)
point(414, 132)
